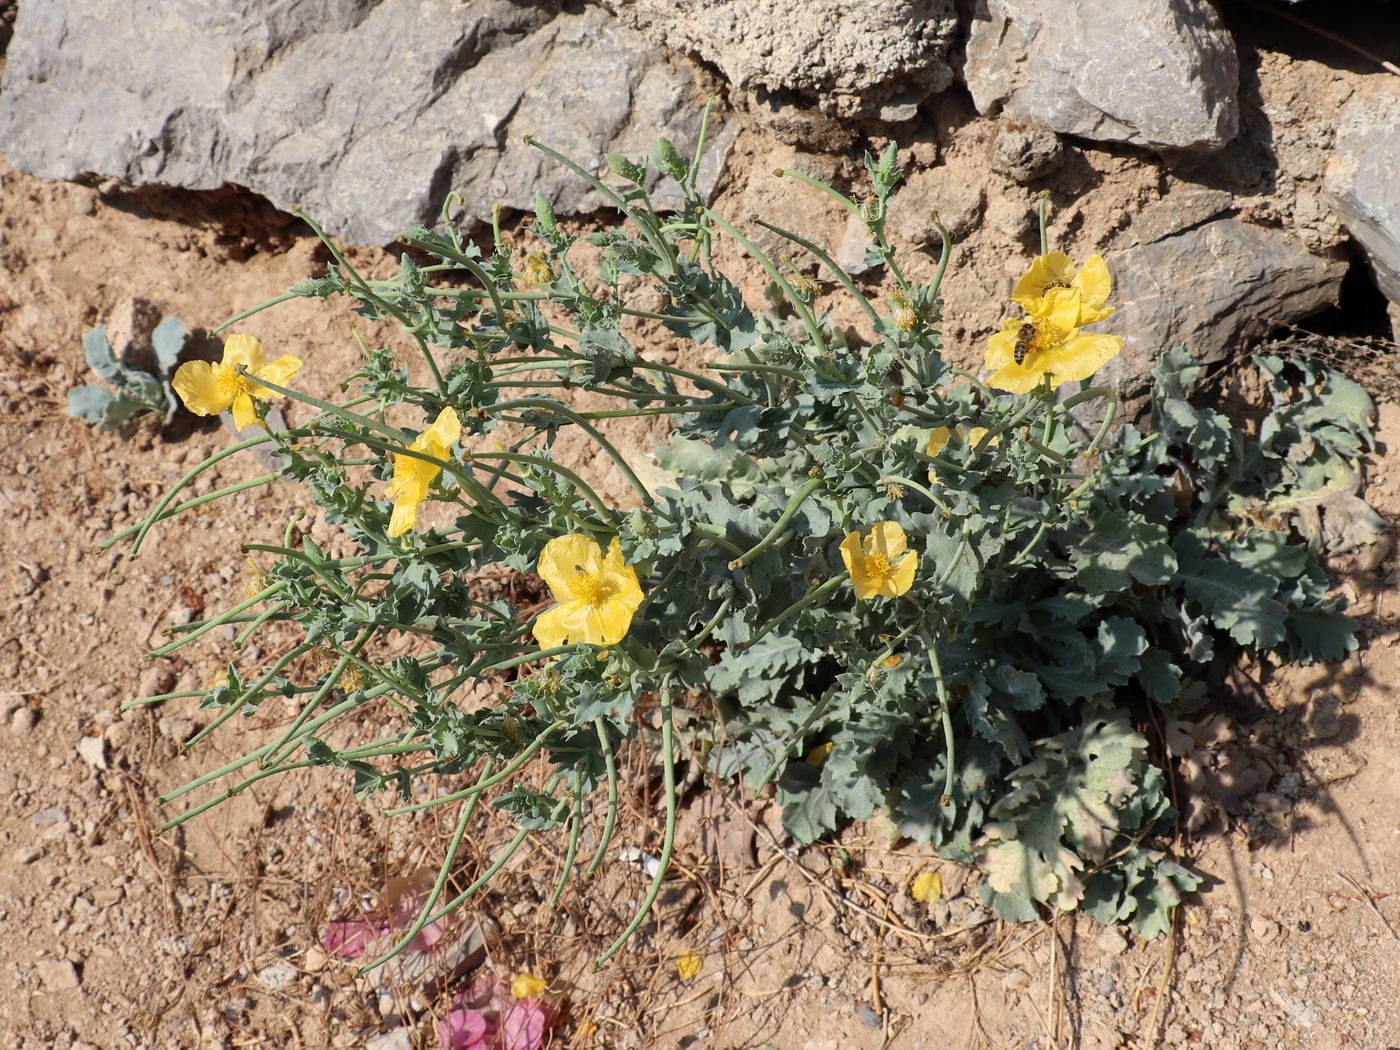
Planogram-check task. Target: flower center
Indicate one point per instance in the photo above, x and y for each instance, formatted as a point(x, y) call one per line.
point(231, 384)
point(877, 564)
point(589, 588)
point(1040, 337)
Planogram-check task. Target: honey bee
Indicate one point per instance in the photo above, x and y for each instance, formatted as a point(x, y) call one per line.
point(1025, 342)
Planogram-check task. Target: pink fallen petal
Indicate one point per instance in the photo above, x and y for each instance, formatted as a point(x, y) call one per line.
point(465, 1028)
point(347, 938)
point(524, 1024)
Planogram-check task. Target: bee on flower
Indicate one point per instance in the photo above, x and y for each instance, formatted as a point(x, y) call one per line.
point(1049, 343)
point(596, 594)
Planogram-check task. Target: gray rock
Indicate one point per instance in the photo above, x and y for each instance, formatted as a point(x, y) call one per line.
point(1181, 209)
point(958, 201)
point(58, 975)
point(1363, 181)
point(93, 751)
point(1024, 152)
point(364, 114)
point(851, 254)
point(1211, 287)
point(278, 976)
point(1157, 73)
point(22, 720)
point(849, 58)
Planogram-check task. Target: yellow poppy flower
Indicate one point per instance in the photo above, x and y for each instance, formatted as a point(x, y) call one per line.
point(527, 986)
point(879, 563)
point(1056, 271)
point(208, 389)
point(413, 477)
point(819, 754)
point(1047, 343)
point(597, 595)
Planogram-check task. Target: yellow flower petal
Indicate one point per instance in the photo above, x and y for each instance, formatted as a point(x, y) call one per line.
point(597, 595)
point(549, 630)
point(244, 414)
point(928, 888)
point(818, 754)
point(1001, 347)
point(1046, 271)
point(527, 986)
point(444, 432)
point(937, 439)
point(688, 966)
point(279, 372)
point(902, 577)
point(199, 388)
point(886, 538)
point(1083, 355)
point(874, 562)
point(243, 349)
point(1094, 284)
point(563, 558)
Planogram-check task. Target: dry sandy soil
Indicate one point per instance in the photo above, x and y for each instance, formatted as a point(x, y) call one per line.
point(209, 937)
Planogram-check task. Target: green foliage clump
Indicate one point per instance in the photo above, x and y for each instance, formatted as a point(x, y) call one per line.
point(133, 391)
point(1069, 579)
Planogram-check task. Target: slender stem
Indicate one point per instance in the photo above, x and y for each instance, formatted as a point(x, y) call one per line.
point(274, 301)
point(561, 409)
point(947, 717)
point(444, 873)
point(332, 680)
point(808, 321)
point(668, 842)
point(505, 773)
point(610, 764)
point(944, 256)
point(830, 191)
point(218, 621)
point(830, 263)
point(575, 826)
point(794, 505)
point(816, 594)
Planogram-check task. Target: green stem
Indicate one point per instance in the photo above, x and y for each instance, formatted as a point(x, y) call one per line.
point(610, 763)
point(218, 621)
point(444, 873)
point(808, 321)
point(947, 717)
point(506, 772)
point(830, 263)
point(794, 505)
point(575, 826)
point(274, 301)
point(668, 842)
point(563, 410)
point(814, 595)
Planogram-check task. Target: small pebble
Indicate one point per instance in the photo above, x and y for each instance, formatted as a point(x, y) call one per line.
point(22, 721)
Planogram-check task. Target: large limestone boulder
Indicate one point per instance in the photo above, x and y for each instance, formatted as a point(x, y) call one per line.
point(848, 58)
point(364, 113)
point(1213, 286)
point(1363, 181)
point(1156, 73)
